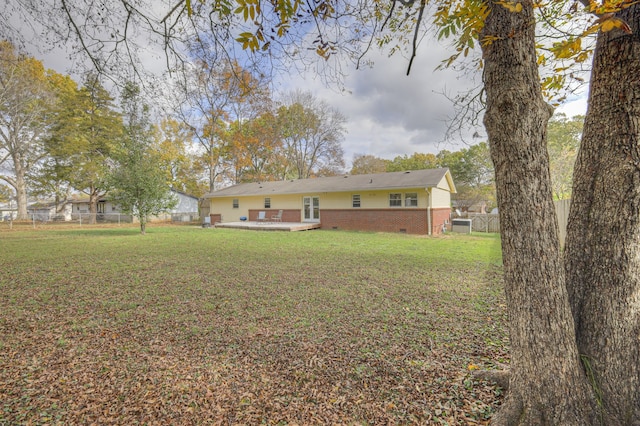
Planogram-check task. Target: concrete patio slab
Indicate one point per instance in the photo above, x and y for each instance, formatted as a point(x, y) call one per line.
point(269, 226)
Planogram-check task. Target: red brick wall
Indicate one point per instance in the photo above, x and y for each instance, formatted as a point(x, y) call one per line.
point(411, 221)
point(291, 215)
point(440, 217)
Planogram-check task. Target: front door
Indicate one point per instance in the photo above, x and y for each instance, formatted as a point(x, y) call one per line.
point(311, 209)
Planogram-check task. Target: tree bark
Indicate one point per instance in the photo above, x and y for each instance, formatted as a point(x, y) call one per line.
point(21, 195)
point(602, 252)
point(20, 186)
point(547, 384)
point(93, 205)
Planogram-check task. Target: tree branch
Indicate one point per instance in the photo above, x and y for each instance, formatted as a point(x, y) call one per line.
point(93, 60)
point(173, 9)
point(9, 180)
point(423, 4)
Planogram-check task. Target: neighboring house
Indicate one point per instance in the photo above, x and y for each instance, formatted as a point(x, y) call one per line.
point(415, 202)
point(8, 211)
point(104, 206)
point(187, 209)
point(186, 203)
point(467, 206)
point(46, 211)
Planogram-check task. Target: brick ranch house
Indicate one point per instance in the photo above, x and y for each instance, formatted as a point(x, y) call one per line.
point(413, 202)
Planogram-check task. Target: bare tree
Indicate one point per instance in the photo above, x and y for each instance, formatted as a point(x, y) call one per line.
point(312, 134)
point(214, 95)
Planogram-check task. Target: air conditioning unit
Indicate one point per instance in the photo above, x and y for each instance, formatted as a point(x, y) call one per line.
point(461, 225)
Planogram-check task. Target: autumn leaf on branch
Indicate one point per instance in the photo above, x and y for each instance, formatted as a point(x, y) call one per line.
point(511, 6)
point(610, 22)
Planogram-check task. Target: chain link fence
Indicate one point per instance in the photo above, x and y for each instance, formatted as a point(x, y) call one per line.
point(44, 218)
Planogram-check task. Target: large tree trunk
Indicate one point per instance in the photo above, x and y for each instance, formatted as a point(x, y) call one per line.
point(93, 205)
point(602, 249)
point(20, 187)
point(547, 385)
point(212, 173)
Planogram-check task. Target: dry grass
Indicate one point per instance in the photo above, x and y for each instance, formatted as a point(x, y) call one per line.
point(194, 326)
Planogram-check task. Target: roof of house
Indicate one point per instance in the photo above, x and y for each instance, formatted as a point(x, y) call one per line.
point(428, 178)
point(8, 206)
point(183, 193)
point(105, 198)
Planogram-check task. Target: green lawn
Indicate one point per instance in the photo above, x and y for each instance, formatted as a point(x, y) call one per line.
point(211, 326)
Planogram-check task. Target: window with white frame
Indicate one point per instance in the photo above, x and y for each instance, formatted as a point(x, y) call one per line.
point(395, 200)
point(355, 200)
point(267, 203)
point(236, 204)
point(411, 199)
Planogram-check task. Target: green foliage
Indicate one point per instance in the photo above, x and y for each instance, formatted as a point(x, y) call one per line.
point(416, 161)
point(49, 180)
point(563, 135)
point(139, 183)
point(182, 169)
point(471, 169)
point(25, 101)
point(6, 193)
point(473, 175)
point(82, 138)
point(366, 164)
point(463, 20)
point(471, 166)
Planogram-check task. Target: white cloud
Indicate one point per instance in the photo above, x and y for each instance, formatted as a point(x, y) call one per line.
point(576, 106)
point(388, 112)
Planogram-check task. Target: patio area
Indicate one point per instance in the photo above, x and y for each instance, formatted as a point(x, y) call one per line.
point(270, 226)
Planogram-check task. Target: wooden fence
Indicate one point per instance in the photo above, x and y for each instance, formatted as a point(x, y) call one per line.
point(562, 211)
point(484, 222)
point(491, 222)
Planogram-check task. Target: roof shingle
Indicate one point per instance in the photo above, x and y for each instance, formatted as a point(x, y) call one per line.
point(427, 178)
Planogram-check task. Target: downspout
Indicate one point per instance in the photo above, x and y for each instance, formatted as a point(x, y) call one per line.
point(428, 211)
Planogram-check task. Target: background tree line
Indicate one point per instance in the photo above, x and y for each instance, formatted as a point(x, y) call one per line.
point(58, 138)
point(61, 138)
point(472, 167)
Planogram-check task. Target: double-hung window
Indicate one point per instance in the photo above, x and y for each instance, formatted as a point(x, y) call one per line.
point(411, 199)
point(236, 204)
point(395, 200)
point(355, 200)
point(267, 203)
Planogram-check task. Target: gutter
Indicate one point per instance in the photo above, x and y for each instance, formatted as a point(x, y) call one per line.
point(428, 211)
